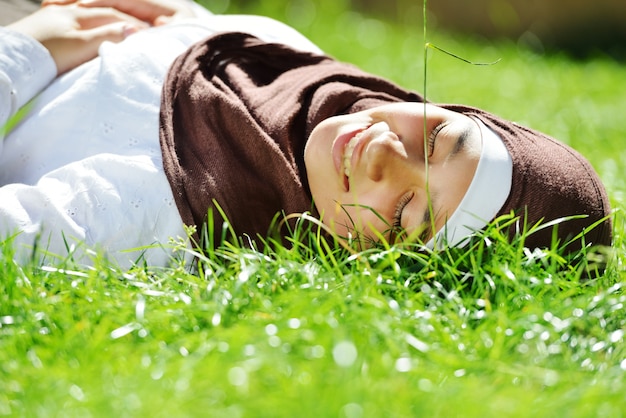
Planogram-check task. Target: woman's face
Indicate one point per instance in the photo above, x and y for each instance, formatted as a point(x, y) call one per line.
point(367, 171)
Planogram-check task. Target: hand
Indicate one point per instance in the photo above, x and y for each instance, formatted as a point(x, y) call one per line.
point(154, 12)
point(73, 34)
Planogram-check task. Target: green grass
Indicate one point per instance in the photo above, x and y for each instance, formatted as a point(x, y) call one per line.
point(489, 331)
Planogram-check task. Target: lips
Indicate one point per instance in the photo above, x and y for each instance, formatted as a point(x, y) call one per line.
point(342, 152)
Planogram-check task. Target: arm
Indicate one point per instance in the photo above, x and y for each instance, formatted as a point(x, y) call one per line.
point(26, 67)
point(60, 36)
point(49, 42)
point(72, 35)
point(153, 12)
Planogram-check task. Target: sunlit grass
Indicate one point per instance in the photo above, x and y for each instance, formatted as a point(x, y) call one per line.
point(481, 332)
point(492, 330)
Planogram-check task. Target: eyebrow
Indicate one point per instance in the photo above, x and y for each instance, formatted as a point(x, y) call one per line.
point(461, 141)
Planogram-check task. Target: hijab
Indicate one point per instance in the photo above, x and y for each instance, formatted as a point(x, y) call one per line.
point(236, 113)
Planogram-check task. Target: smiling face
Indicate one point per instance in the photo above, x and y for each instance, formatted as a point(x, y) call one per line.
point(368, 170)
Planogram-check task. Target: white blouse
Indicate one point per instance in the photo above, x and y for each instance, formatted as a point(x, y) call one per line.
point(84, 167)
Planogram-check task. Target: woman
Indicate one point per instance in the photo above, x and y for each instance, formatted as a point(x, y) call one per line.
point(252, 121)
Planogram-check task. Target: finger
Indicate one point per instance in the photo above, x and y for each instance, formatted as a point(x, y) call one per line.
point(45, 3)
point(113, 32)
point(146, 10)
point(162, 20)
point(94, 18)
point(90, 41)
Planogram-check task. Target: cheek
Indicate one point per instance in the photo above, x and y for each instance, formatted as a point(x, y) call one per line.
point(312, 153)
point(356, 220)
point(333, 215)
point(318, 167)
point(451, 186)
point(320, 141)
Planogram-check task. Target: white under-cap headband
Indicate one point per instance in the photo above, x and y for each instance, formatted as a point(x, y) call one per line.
point(485, 195)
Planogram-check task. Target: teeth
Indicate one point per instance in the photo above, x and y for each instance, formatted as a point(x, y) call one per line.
point(347, 154)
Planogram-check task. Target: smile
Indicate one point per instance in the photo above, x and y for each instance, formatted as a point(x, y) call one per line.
point(347, 154)
point(343, 151)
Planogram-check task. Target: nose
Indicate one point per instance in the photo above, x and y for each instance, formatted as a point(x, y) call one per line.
point(376, 158)
point(387, 161)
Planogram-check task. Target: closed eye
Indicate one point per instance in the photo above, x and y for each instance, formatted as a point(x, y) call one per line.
point(397, 215)
point(432, 138)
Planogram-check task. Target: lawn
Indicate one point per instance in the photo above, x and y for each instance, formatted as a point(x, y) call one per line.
point(312, 331)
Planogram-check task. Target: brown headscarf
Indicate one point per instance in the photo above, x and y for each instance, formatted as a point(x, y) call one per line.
point(550, 181)
point(235, 116)
point(236, 113)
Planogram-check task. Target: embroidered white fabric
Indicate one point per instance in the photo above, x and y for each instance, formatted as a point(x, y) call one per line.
point(85, 165)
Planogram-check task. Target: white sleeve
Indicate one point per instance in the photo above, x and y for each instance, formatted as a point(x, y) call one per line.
point(122, 205)
point(83, 168)
point(26, 67)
